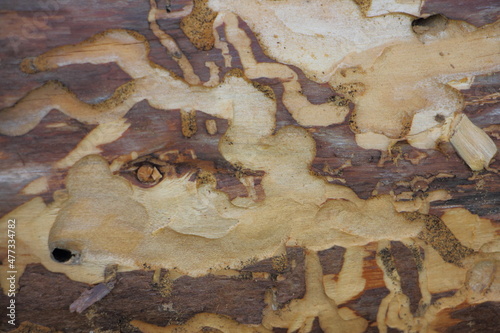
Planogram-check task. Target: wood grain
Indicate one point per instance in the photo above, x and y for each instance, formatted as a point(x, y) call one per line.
point(28, 28)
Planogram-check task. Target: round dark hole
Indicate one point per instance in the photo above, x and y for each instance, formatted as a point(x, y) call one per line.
point(61, 255)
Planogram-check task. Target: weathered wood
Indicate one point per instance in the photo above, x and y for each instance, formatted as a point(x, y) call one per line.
point(30, 28)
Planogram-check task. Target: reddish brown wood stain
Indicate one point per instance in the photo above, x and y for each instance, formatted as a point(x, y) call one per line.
point(44, 297)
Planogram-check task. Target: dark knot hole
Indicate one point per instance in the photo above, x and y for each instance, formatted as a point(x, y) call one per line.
point(61, 255)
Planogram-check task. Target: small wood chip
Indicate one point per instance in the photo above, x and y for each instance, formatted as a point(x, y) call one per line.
point(211, 126)
point(148, 173)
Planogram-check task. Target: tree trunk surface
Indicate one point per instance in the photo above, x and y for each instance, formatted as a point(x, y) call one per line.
point(43, 298)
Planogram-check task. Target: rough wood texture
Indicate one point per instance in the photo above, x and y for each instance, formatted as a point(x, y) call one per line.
point(29, 28)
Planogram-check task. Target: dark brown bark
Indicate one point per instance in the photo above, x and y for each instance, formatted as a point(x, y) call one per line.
point(44, 297)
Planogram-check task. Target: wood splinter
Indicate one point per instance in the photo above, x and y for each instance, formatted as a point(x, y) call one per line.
point(473, 145)
point(98, 292)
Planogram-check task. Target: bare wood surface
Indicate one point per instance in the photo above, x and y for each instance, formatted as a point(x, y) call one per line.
point(29, 28)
